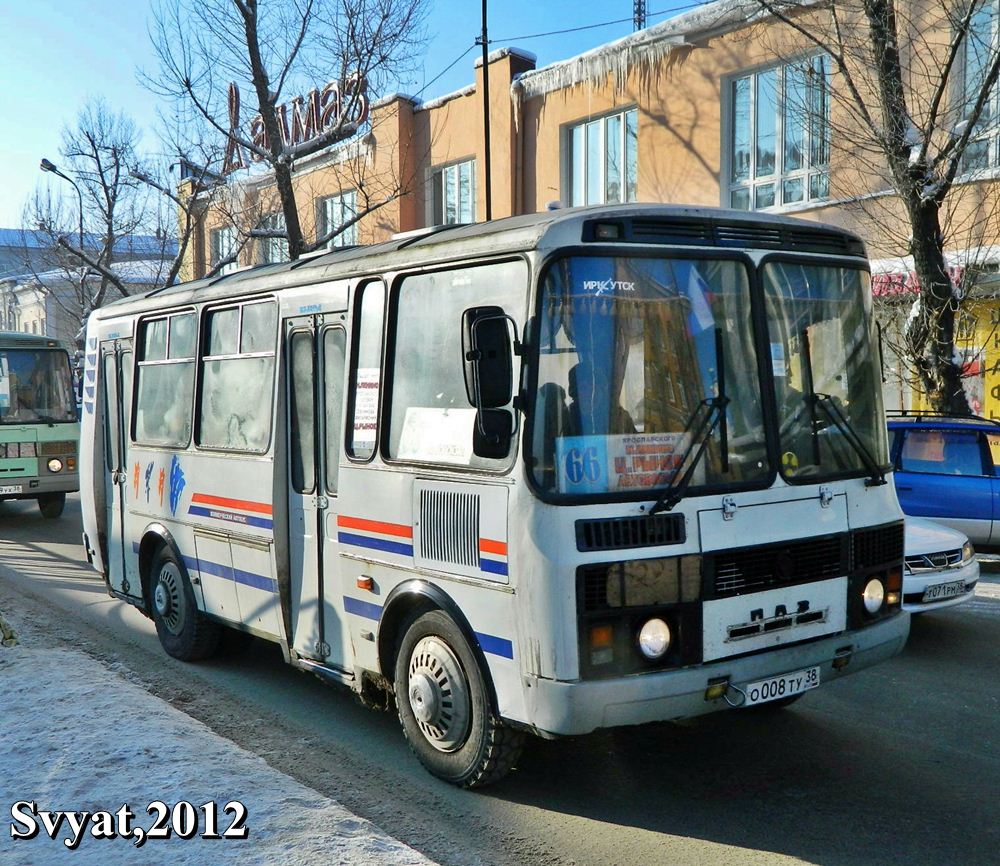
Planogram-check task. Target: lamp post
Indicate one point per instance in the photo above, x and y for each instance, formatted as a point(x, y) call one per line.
point(51, 167)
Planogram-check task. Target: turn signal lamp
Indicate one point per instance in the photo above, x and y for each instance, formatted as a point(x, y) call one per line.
point(894, 581)
point(366, 583)
point(892, 598)
point(602, 638)
point(607, 232)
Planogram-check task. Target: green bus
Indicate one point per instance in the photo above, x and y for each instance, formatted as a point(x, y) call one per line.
point(39, 422)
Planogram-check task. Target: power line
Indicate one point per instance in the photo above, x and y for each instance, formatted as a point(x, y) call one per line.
point(447, 68)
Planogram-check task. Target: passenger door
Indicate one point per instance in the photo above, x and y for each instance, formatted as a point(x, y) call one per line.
point(315, 351)
point(945, 475)
point(116, 360)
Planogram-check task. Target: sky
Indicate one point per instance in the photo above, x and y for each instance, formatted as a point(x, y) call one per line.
point(56, 55)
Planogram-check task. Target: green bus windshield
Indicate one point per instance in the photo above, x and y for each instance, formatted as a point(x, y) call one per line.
point(35, 386)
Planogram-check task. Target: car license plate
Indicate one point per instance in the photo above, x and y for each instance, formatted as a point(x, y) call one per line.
point(781, 687)
point(10, 488)
point(939, 591)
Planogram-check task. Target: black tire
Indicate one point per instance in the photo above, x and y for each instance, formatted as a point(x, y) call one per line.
point(470, 751)
point(51, 504)
point(184, 632)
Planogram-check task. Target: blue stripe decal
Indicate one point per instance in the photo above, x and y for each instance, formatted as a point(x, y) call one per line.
point(363, 608)
point(232, 517)
point(492, 566)
point(375, 543)
point(497, 646)
point(247, 578)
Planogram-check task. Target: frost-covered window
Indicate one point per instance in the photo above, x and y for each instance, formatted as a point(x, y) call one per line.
point(454, 188)
point(273, 249)
point(237, 374)
point(980, 47)
point(779, 135)
point(223, 245)
point(332, 212)
point(431, 419)
point(604, 159)
point(165, 381)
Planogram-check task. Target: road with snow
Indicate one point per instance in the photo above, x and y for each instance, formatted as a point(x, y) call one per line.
point(899, 764)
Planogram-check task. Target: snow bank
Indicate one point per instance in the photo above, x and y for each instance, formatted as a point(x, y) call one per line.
point(79, 737)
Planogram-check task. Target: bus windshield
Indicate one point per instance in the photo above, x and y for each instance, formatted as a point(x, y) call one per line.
point(630, 350)
point(826, 370)
point(35, 386)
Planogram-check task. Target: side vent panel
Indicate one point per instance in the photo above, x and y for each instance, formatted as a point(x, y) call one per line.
point(461, 529)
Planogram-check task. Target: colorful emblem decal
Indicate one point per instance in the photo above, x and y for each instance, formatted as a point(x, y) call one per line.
point(176, 483)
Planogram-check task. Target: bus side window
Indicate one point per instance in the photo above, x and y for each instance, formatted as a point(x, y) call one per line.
point(334, 355)
point(369, 315)
point(165, 381)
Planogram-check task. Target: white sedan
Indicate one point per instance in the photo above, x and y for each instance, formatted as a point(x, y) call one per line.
point(941, 569)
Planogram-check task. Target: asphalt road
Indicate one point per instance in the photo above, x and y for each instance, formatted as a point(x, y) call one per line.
point(899, 764)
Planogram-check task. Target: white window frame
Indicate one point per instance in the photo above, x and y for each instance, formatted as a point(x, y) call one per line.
point(438, 187)
point(273, 250)
point(991, 130)
point(807, 173)
point(216, 251)
point(333, 211)
point(577, 197)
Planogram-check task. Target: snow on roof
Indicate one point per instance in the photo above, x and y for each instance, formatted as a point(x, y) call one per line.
point(140, 272)
point(501, 53)
point(36, 240)
point(646, 47)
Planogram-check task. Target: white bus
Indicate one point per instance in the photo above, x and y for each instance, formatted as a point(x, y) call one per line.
point(549, 474)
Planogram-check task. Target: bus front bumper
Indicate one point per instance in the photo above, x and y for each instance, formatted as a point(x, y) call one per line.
point(30, 488)
point(566, 708)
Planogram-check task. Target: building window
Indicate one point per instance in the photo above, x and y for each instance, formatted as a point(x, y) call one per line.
point(331, 213)
point(223, 245)
point(980, 45)
point(273, 249)
point(779, 140)
point(603, 159)
point(454, 193)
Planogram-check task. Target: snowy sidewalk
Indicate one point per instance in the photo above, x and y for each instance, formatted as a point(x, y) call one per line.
point(75, 736)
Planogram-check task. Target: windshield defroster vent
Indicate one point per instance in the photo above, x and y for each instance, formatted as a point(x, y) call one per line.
point(619, 533)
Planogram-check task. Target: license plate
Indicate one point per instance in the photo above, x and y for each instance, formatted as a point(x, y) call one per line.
point(11, 488)
point(944, 590)
point(784, 686)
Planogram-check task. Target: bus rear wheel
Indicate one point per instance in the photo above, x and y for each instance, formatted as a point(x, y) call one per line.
point(184, 632)
point(51, 504)
point(445, 708)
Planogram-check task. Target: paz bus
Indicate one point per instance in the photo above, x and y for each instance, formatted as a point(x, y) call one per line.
point(548, 474)
point(39, 428)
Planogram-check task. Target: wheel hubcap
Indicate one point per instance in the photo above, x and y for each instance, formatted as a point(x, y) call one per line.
point(168, 598)
point(438, 692)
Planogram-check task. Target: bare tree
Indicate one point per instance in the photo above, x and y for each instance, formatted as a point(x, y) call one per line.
point(281, 49)
point(913, 104)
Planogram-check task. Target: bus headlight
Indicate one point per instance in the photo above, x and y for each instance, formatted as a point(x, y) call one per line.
point(55, 465)
point(873, 595)
point(654, 638)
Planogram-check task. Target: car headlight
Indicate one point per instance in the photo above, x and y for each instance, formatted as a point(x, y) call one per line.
point(55, 465)
point(654, 638)
point(968, 553)
point(873, 595)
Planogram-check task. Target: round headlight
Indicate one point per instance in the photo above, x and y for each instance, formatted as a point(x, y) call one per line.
point(654, 638)
point(874, 595)
point(55, 465)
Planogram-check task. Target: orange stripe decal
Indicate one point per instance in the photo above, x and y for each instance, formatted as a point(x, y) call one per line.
point(222, 502)
point(487, 546)
point(396, 529)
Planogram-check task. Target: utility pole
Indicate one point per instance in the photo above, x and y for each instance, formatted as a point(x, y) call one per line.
point(484, 40)
point(639, 14)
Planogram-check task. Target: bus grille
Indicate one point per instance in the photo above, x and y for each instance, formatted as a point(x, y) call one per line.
point(449, 527)
point(618, 533)
point(754, 568)
point(878, 546)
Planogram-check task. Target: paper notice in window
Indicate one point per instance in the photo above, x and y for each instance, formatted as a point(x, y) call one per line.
point(437, 435)
point(366, 407)
point(4, 383)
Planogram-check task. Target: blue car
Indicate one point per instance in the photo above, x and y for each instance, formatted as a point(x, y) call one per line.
point(948, 468)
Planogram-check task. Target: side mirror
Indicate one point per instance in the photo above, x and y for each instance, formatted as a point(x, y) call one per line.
point(487, 355)
point(492, 434)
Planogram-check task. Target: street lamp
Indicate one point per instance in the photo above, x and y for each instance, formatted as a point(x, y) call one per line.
point(51, 167)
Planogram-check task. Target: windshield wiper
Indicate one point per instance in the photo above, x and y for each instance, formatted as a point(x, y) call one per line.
point(826, 402)
point(715, 416)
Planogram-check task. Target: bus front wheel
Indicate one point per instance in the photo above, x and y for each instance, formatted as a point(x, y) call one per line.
point(184, 632)
point(445, 709)
point(51, 504)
